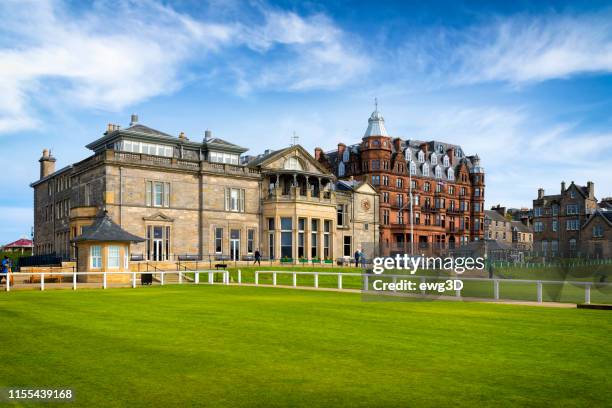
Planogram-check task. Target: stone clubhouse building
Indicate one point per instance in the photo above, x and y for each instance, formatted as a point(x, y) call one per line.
point(193, 199)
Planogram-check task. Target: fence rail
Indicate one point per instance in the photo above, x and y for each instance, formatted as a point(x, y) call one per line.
point(494, 289)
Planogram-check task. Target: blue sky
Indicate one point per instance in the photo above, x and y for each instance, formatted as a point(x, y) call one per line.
point(526, 85)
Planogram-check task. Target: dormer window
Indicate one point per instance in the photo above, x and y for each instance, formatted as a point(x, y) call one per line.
point(407, 155)
point(221, 157)
point(450, 174)
point(412, 167)
point(438, 172)
point(421, 157)
point(446, 161)
point(425, 170)
point(144, 148)
point(434, 159)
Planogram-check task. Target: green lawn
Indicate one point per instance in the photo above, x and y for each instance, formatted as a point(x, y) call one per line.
point(248, 346)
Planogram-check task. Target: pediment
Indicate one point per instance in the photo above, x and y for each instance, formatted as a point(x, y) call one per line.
point(286, 159)
point(158, 217)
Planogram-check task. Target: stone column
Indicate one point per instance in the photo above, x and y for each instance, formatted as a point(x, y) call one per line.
point(307, 241)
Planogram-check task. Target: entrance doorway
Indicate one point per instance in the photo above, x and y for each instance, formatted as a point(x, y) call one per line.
point(235, 244)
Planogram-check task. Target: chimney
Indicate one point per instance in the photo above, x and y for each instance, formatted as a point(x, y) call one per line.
point(47, 164)
point(207, 135)
point(591, 189)
point(562, 187)
point(397, 143)
point(425, 148)
point(500, 210)
point(341, 148)
point(182, 136)
point(451, 155)
point(318, 153)
point(540, 193)
point(111, 128)
point(133, 119)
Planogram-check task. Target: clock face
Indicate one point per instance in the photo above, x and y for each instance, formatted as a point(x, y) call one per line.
point(365, 204)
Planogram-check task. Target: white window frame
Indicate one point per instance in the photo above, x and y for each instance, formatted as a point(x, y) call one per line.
point(113, 260)
point(95, 256)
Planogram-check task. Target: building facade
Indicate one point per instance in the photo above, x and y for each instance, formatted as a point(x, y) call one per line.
point(558, 219)
point(448, 187)
point(193, 199)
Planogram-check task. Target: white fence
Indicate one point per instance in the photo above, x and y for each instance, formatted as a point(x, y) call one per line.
point(364, 282)
point(162, 276)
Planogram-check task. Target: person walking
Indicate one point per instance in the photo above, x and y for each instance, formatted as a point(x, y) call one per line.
point(5, 269)
point(257, 257)
point(363, 259)
point(357, 256)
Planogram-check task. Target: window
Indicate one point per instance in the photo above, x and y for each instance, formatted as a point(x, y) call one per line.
point(400, 217)
point(95, 254)
point(554, 247)
point(218, 240)
point(341, 171)
point(385, 197)
point(375, 164)
point(399, 183)
point(157, 194)
point(446, 161)
point(426, 187)
point(234, 199)
point(555, 225)
point(537, 211)
point(572, 225)
point(113, 260)
point(555, 209)
point(250, 240)
point(376, 180)
point(313, 238)
point(400, 200)
point(598, 231)
point(412, 168)
point(434, 159)
point(385, 180)
point(326, 231)
point(538, 226)
point(438, 187)
point(301, 235)
point(438, 172)
point(385, 219)
point(347, 246)
point(450, 174)
point(341, 220)
point(573, 193)
point(286, 237)
point(133, 146)
point(571, 209)
point(271, 244)
point(421, 157)
point(345, 155)
point(220, 157)
point(425, 170)
point(572, 244)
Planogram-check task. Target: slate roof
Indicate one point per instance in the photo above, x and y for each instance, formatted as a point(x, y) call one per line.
point(520, 227)
point(104, 229)
point(495, 216)
point(265, 156)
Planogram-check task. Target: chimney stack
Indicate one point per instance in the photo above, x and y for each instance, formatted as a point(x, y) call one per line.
point(397, 143)
point(47, 164)
point(540, 193)
point(562, 187)
point(207, 135)
point(341, 148)
point(591, 189)
point(451, 155)
point(133, 119)
point(318, 153)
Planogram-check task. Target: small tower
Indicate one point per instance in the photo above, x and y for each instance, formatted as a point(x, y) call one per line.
point(47, 164)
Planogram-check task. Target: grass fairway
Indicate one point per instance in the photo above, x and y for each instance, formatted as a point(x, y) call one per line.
point(248, 346)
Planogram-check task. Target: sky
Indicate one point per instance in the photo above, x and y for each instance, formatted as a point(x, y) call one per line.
point(525, 85)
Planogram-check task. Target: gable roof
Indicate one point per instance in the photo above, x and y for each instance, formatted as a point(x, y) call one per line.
point(20, 243)
point(495, 216)
point(606, 215)
point(276, 154)
point(104, 229)
point(520, 227)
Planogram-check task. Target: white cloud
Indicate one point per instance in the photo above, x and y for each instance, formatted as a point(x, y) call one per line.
point(117, 54)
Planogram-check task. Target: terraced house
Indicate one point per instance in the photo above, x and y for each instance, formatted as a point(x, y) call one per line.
point(448, 186)
point(201, 198)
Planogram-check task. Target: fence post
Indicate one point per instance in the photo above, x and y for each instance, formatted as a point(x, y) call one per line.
point(496, 289)
point(274, 278)
point(587, 294)
point(211, 277)
point(339, 281)
point(133, 280)
point(42, 281)
point(394, 283)
point(423, 291)
point(74, 278)
point(197, 277)
point(239, 276)
point(458, 293)
point(539, 283)
point(316, 280)
point(8, 282)
point(180, 278)
point(366, 282)
point(162, 278)
point(256, 278)
point(294, 279)
point(104, 280)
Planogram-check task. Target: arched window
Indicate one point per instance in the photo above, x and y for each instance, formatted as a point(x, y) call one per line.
point(292, 163)
point(412, 167)
point(450, 174)
point(421, 157)
point(434, 159)
point(341, 169)
point(425, 169)
point(446, 161)
point(438, 172)
point(345, 155)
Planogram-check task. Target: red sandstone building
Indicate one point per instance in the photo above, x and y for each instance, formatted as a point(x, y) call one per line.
point(447, 187)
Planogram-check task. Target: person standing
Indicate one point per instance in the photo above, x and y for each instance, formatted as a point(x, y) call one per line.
point(363, 258)
point(5, 269)
point(257, 257)
point(357, 256)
